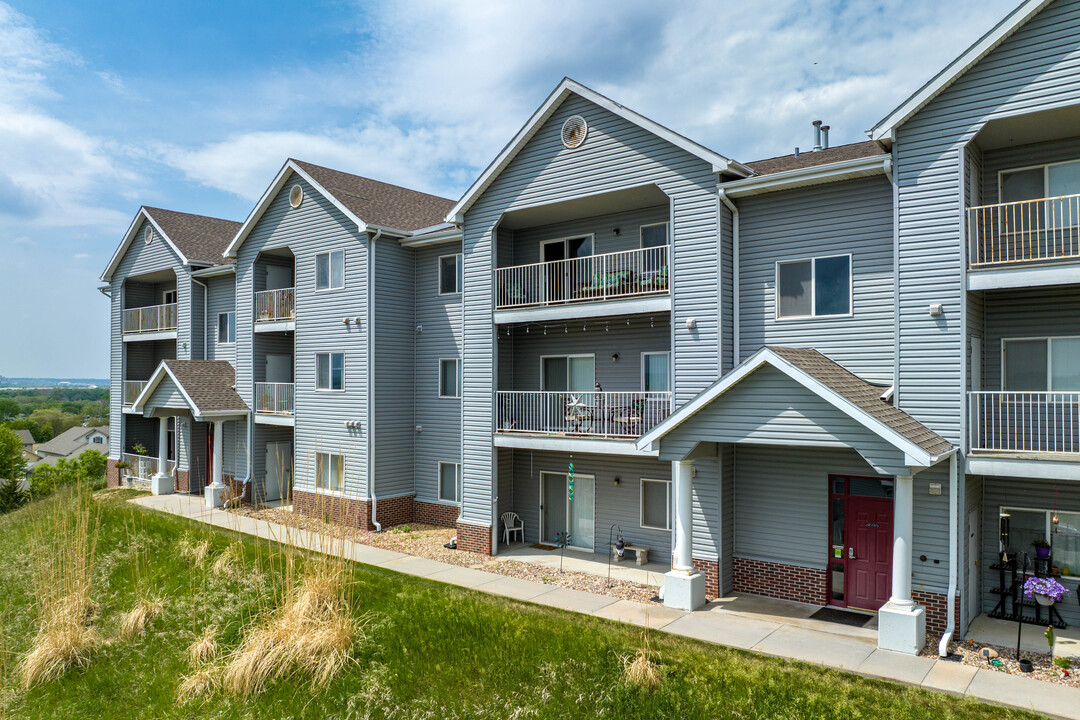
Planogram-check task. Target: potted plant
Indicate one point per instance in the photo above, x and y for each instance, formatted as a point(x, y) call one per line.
point(1046, 591)
point(1042, 548)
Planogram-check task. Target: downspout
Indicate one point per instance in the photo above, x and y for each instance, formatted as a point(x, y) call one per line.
point(950, 613)
point(205, 315)
point(371, 379)
point(736, 353)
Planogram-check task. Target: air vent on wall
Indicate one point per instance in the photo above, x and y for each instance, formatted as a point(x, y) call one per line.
point(148, 237)
point(296, 196)
point(574, 131)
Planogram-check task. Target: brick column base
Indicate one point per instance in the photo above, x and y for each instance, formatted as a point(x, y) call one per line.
point(784, 582)
point(474, 538)
point(182, 480)
point(936, 605)
point(435, 514)
point(112, 474)
point(711, 570)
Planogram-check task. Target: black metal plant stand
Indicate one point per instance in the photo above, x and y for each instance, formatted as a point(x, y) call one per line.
point(1010, 589)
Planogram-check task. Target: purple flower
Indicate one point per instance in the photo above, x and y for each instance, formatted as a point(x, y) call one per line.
point(1047, 587)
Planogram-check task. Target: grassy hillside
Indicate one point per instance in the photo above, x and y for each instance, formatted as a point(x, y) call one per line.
point(429, 651)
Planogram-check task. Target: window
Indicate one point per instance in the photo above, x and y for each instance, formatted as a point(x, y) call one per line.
point(1041, 364)
point(1041, 181)
point(330, 270)
point(450, 378)
point(654, 235)
point(817, 287)
point(98, 440)
point(1026, 525)
point(226, 327)
point(450, 278)
point(450, 482)
point(656, 504)
point(654, 371)
point(329, 371)
point(168, 297)
point(329, 472)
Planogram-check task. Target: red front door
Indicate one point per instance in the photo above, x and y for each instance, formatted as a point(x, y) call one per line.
point(869, 561)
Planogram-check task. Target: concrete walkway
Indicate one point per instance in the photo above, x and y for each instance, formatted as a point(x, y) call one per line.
point(757, 624)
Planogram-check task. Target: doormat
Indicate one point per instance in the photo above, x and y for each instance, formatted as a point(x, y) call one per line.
point(543, 547)
point(842, 617)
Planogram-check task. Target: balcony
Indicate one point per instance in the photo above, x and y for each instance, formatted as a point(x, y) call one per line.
point(1027, 241)
point(630, 275)
point(275, 309)
point(274, 403)
point(608, 415)
point(132, 390)
point(143, 467)
point(150, 322)
point(1024, 422)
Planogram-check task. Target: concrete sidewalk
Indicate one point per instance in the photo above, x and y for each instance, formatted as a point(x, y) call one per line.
point(761, 626)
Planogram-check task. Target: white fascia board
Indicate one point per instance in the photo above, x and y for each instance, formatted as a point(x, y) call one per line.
point(129, 236)
point(803, 177)
point(453, 235)
point(717, 162)
point(951, 73)
point(214, 271)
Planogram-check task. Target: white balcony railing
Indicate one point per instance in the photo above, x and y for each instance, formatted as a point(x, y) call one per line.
point(274, 398)
point(143, 467)
point(1027, 231)
point(591, 414)
point(1024, 422)
point(132, 389)
point(153, 318)
point(274, 305)
point(632, 273)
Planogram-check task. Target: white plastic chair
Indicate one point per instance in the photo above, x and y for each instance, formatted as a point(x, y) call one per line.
point(512, 524)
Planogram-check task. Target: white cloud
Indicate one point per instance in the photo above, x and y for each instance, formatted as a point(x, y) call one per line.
point(82, 256)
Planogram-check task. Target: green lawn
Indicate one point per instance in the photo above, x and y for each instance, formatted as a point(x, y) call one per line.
point(433, 651)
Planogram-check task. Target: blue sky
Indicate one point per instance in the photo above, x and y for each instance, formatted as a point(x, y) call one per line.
point(194, 106)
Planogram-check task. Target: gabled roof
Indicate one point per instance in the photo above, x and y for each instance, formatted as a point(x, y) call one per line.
point(196, 239)
point(839, 387)
point(206, 385)
point(25, 436)
point(368, 203)
point(566, 88)
point(70, 441)
point(952, 72)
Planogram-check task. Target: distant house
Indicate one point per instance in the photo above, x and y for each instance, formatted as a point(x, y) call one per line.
point(72, 442)
point(27, 440)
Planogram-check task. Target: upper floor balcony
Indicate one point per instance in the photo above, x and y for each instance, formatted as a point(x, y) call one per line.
point(275, 309)
point(132, 390)
point(1024, 423)
point(274, 403)
point(149, 322)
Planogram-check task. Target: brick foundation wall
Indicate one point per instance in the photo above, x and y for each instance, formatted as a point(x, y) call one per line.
point(436, 514)
point(776, 580)
point(711, 570)
point(394, 511)
point(936, 605)
point(474, 538)
point(331, 508)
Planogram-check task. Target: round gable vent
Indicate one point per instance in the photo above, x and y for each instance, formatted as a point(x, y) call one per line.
point(574, 131)
point(296, 196)
point(148, 236)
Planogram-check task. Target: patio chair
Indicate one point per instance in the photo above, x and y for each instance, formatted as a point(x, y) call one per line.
point(631, 419)
point(512, 524)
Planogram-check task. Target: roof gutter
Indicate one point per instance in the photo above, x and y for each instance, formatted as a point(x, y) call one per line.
point(804, 177)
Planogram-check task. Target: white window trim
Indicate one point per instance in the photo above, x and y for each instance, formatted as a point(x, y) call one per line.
point(1046, 177)
point(329, 271)
point(438, 484)
point(1049, 525)
point(227, 342)
point(641, 504)
point(568, 357)
point(1049, 360)
point(458, 268)
point(563, 239)
point(331, 369)
point(165, 295)
point(439, 388)
point(315, 477)
point(655, 352)
point(813, 288)
point(641, 232)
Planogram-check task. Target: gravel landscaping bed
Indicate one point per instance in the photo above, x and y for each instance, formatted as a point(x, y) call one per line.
point(427, 541)
point(968, 653)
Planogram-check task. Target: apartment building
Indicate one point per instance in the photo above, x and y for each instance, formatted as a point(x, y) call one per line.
point(847, 376)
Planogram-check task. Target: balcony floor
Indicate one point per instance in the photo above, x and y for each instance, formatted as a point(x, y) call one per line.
point(574, 311)
point(570, 443)
point(275, 326)
point(1047, 466)
point(147, 336)
point(1024, 274)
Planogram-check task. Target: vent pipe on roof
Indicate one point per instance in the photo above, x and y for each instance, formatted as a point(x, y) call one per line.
point(825, 137)
point(796, 152)
point(817, 135)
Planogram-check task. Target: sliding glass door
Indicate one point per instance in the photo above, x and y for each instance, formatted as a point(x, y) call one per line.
point(559, 513)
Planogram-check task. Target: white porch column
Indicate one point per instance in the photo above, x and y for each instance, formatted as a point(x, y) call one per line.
point(216, 490)
point(902, 623)
point(162, 483)
point(684, 587)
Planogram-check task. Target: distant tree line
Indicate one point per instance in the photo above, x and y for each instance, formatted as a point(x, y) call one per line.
point(47, 413)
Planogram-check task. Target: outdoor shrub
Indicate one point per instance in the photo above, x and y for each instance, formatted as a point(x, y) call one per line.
point(12, 495)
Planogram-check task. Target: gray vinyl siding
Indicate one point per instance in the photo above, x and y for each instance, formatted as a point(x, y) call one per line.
point(144, 357)
point(167, 395)
point(314, 227)
point(197, 441)
point(619, 505)
point(1023, 493)
point(394, 431)
point(525, 243)
point(705, 508)
point(440, 418)
point(199, 332)
point(725, 291)
point(1025, 313)
point(994, 161)
point(270, 343)
point(221, 298)
point(835, 219)
point(727, 517)
point(1033, 70)
point(617, 155)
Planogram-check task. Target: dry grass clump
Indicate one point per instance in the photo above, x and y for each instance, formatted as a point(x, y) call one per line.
point(135, 621)
point(204, 649)
point(229, 558)
point(640, 670)
point(199, 685)
point(194, 551)
point(65, 639)
point(311, 635)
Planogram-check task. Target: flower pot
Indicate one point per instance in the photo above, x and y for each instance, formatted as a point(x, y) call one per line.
point(1044, 600)
point(1043, 552)
point(1026, 666)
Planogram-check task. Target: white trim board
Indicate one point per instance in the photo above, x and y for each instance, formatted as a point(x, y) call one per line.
point(139, 406)
point(599, 446)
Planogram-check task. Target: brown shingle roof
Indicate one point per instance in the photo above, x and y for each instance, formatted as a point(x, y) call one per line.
point(209, 384)
point(202, 239)
point(378, 203)
point(840, 153)
point(864, 395)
